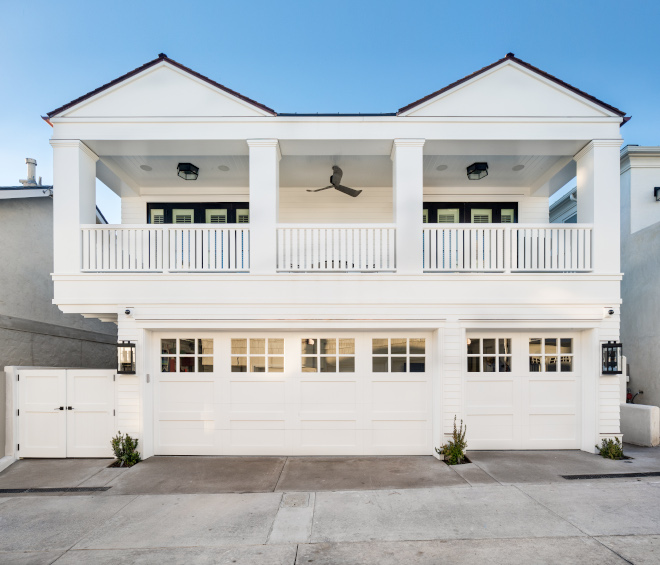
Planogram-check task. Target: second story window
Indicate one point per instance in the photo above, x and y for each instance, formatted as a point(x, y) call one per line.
point(470, 212)
point(198, 213)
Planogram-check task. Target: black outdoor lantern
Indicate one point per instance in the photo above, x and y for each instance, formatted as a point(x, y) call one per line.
point(126, 358)
point(656, 193)
point(477, 171)
point(612, 358)
point(187, 171)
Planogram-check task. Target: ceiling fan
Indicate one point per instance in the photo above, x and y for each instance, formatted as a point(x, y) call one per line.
point(335, 179)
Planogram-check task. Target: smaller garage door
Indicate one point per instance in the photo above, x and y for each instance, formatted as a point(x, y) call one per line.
point(522, 391)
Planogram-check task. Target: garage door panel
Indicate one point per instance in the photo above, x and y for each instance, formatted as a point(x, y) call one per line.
point(496, 394)
point(398, 396)
point(549, 392)
point(328, 392)
point(257, 392)
point(552, 427)
point(187, 437)
point(186, 395)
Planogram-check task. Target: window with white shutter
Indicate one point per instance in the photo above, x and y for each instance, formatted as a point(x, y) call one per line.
point(507, 216)
point(183, 216)
point(448, 216)
point(158, 216)
point(242, 216)
point(216, 216)
point(481, 216)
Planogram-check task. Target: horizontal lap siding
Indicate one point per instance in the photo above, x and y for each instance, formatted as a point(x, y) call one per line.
point(452, 389)
point(133, 211)
point(608, 389)
point(374, 205)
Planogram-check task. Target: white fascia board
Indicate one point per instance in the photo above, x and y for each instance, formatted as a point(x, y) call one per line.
point(508, 62)
point(25, 193)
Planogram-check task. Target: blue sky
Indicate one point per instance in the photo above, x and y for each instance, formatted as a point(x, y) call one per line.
point(340, 56)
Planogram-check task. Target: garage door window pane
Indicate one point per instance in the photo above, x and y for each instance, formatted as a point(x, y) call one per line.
point(473, 346)
point(566, 345)
point(534, 346)
point(554, 355)
point(379, 346)
point(399, 365)
point(346, 346)
point(489, 364)
point(417, 364)
point(275, 346)
point(168, 346)
point(309, 364)
point(238, 364)
point(505, 364)
point(168, 364)
point(257, 347)
point(535, 364)
point(205, 346)
point(417, 346)
point(489, 347)
point(399, 346)
point(239, 346)
point(186, 364)
point(347, 364)
point(187, 346)
point(205, 364)
point(504, 346)
point(566, 363)
point(257, 364)
point(551, 363)
point(379, 364)
point(328, 347)
point(328, 364)
point(309, 346)
point(551, 345)
point(276, 364)
point(473, 364)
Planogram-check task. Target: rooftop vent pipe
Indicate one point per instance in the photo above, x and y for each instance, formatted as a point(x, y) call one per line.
point(31, 173)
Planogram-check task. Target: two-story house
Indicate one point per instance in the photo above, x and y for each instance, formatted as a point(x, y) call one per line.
point(422, 282)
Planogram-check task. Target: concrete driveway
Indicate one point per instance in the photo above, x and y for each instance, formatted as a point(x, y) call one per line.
point(504, 508)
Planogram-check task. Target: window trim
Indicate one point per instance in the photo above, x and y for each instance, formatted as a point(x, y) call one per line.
point(465, 210)
point(199, 210)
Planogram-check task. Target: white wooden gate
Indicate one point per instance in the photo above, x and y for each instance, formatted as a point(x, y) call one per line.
point(65, 412)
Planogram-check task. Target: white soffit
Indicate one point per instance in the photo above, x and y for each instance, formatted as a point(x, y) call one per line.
point(509, 90)
point(162, 91)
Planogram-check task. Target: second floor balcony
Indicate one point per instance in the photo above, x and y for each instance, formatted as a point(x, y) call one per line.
point(338, 248)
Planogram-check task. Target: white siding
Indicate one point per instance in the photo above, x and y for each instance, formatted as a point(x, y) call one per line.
point(374, 205)
point(133, 211)
point(608, 389)
point(452, 359)
point(128, 391)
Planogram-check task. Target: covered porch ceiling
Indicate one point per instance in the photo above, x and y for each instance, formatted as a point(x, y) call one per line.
point(542, 167)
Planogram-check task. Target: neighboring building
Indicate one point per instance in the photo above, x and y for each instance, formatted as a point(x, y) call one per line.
point(33, 331)
point(564, 209)
point(640, 263)
point(272, 319)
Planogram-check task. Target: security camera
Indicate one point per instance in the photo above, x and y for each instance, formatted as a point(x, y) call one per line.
point(610, 312)
point(127, 312)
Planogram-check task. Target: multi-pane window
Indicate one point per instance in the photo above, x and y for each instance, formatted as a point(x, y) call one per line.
point(328, 355)
point(489, 355)
point(398, 355)
point(551, 354)
point(257, 355)
point(157, 216)
point(186, 355)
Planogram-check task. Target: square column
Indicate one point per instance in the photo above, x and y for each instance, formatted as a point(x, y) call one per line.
point(408, 187)
point(598, 196)
point(74, 200)
point(264, 169)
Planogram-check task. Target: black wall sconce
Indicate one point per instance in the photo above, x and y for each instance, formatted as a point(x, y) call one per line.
point(656, 193)
point(126, 358)
point(612, 358)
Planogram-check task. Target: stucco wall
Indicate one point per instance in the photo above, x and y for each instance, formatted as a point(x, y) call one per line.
point(33, 331)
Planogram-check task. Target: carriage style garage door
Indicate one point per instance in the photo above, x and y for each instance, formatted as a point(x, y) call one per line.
point(522, 391)
point(292, 394)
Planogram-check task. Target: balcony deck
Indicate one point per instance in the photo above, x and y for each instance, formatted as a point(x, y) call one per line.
point(370, 248)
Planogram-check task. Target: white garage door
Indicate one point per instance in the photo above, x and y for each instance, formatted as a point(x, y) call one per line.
point(522, 391)
point(292, 394)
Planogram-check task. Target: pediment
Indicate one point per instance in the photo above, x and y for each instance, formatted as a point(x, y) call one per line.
point(163, 90)
point(507, 90)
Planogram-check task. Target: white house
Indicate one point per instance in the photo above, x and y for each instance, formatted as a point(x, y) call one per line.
point(271, 319)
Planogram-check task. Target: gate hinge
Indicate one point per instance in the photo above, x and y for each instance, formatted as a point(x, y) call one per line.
point(113, 412)
point(18, 412)
point(18, 447)
point(114, 377)
point(18, 377)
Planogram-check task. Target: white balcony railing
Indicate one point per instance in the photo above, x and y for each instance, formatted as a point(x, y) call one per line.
point(507, 248)
point(175, 248)
point(313, 248)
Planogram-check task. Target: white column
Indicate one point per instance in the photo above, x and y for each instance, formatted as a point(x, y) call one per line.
point(74, 200)
point(408, 186)
point(264, 204)
point(598, 195)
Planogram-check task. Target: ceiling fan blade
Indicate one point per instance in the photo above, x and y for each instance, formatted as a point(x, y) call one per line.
point(350, 191)
point(319, 189)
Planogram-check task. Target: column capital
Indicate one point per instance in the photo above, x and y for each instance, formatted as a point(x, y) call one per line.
point(265, 143)
point(396, 143)
point(74, 143)
point(597, 143)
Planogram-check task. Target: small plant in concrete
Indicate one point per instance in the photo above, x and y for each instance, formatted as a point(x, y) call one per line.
point(125, 449)
point(611, 449)
point(454, 449)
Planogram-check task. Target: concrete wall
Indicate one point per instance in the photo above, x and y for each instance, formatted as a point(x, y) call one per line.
point(640, 311)
point(33, 331)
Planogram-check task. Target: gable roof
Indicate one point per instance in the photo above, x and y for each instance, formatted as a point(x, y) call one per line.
point(512, 57)
point(161, 58)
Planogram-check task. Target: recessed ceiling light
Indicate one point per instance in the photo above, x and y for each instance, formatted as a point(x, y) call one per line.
point(441, 168)
point(518, 168)
point(145, 167)
point(223, 167)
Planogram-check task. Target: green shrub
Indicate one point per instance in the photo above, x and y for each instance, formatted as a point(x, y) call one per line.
point(611, 449)
point(125, 448)
point(454, 449)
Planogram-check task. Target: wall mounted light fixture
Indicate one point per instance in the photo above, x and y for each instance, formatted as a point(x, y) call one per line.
point(656, 193)
point(126, 358)
point(611, 358)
